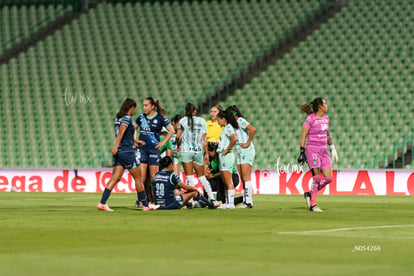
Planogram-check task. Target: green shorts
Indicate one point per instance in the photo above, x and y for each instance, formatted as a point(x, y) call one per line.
point(226, 162)
point(246, 156)
point(196, 157)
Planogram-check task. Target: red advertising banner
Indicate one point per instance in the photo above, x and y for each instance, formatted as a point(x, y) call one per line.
point(345, 182)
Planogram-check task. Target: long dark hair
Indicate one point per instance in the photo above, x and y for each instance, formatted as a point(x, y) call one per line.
point(236, 111)
point(126, 105)
point(189, 109)
point(157, 104)
point(176, 118)
point(165, 162)
point(313, 106)
point(229, 118)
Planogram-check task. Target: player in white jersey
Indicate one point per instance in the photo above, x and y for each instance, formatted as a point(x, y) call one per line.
point(175, 123)
point(228, 139)
point(191, 137)
point(245, 154)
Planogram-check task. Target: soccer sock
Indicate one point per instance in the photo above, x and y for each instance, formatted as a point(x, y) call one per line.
point(142, 197)
point(230, 197)
point(248, 192)
point(190, 180)
point(202, 199)
point(325, 181)
point(105, 195)
point(314, 190)
point(206, 186)
point(238, 200)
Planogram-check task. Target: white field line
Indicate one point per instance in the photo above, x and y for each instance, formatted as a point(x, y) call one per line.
point(336, 232)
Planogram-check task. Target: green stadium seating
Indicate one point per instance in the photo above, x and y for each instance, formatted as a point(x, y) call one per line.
point(360, 62)
point(168, 50)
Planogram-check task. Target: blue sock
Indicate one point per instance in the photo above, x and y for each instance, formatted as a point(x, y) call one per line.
point(105, 195)
point(142, 197)
point(202, 199)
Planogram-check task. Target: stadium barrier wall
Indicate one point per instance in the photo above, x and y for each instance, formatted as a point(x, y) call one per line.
point(345, 182)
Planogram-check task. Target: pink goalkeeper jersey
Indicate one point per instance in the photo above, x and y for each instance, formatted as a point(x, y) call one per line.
point(318, 130)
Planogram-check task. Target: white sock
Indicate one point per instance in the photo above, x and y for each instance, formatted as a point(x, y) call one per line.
point(248, 191)
point(190, 180)
point(206, 186)
point(230, 197)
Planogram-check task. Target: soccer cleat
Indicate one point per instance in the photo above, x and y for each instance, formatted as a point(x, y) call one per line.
point(231, 206)
point(244, 205)
point(150, 207)
point(104, 207)
point(138, 204)
point(315, 208)
point(215, 203)
point(307, 197)
point(223, 206)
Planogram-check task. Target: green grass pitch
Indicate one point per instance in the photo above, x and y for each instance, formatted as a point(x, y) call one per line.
point(64, 234)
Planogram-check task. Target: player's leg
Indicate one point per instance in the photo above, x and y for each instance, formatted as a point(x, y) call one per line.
point(187, 162)
point(228, 181)
point(153, 169)
point(326, 166)
point(246, 172)
point(199, 169)
point(314, 162)
point(139, 186)
point(117, 173)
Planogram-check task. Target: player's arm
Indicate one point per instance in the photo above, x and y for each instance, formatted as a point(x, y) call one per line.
point(333, 149)
point(233, 141)
point(118, 139)
point(205, 148)
point(305, 131)
point(137, 142)
point(186, 187)
point(170, 133)
point(302, 155)
point(252, 130)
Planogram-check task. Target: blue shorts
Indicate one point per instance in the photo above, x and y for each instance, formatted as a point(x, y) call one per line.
point(177, 204)
point(150, 156)
point(126, 159)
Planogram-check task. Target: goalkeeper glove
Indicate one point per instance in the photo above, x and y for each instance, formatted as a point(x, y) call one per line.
point(302, 156)
point(334, 153)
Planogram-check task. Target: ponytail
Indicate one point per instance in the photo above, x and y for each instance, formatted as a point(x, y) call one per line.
point(189, 110)
point(155, 103)
point(126, 105)
point(312, 107)
point(236, 111)
point(229, 118)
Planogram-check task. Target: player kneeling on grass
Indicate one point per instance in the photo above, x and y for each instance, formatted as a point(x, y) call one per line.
point(165, 183)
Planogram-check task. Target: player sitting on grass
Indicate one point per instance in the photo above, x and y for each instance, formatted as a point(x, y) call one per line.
point(165, 183)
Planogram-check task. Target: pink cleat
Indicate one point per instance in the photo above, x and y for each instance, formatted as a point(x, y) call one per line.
point(104, 207)
point(150, 207)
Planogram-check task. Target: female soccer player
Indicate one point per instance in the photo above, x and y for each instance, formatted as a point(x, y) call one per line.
point(315, 134)
point(228, 139)
point(124, 156)
point(150, 124)
point(191, 136)
point(245, 153)
point(213, 127)
point(175, 122)
point(165, 183)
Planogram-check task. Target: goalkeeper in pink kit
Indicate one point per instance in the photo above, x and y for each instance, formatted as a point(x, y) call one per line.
point(315, 134)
